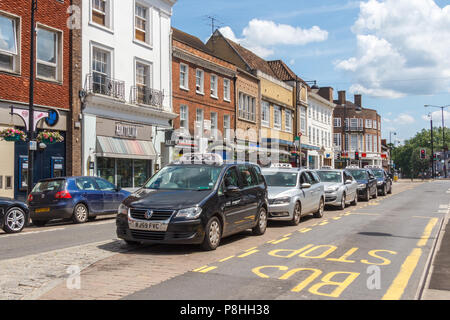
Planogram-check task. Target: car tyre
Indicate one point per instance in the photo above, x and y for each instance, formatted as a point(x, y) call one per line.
point(367, 197)
point(342, 206)
point(213, 234)
point(92, 218)
point(261, 225)
point(376, 194)
point(390, 189)
point(80, 213)
point(384, 191)
point(297, 215)
point(319, 212)
point(15, 220)
point(355, 201)
point(39, 223)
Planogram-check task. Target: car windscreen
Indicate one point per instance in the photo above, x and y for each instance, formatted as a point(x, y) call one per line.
point(359, 174)
point(281, 179)
point(52, 185)
point(195, 177)
point(330, 176)
point(378, 173)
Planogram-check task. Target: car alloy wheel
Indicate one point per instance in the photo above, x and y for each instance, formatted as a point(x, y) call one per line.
point(367, 194)
point(342, 206)
point(214, 233)
point(297, 214)
point(80, 214)
point(319, 213)
point(14, 220)
point(261, 226)
point(355, 201)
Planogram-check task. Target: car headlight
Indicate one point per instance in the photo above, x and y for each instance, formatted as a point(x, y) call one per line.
point(380, 183)
point(189, 213)
point(123, 209)
point(282, 200)
point(332, 189)
point(361, 186)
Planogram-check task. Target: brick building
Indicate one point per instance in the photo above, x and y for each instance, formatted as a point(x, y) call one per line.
point(54, 67)
point(356, 129)
point(203, 93)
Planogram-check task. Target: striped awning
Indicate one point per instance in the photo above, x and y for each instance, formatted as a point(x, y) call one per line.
point(110, 147)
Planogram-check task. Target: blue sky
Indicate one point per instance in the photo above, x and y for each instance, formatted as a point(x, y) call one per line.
point(393, 52)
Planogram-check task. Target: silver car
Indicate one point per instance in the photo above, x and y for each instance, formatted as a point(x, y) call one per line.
point(340, 187)
point(293, 193)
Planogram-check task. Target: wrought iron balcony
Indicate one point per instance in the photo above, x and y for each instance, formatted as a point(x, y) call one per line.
point(100, 84)
point(354, 128)
point(146, 96)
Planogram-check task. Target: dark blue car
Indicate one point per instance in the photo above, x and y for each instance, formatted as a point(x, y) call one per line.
point(77, 198)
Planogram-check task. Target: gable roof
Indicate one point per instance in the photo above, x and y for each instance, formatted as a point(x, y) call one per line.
point(283, 72)
point(189, 40)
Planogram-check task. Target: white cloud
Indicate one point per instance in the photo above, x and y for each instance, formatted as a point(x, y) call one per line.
point(402, 48)
point(404, 118)
point(261, 36)
point(437, 118)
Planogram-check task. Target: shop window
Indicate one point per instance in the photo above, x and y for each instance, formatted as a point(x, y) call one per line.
point(106, 169)
point(8, 184)
point(141, 172)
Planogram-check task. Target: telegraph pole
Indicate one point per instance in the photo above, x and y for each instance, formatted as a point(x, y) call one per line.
point(31, 133)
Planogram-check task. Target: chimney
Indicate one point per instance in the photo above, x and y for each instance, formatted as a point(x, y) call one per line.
point(358, 100)
point(326, 93)
point(342, 99)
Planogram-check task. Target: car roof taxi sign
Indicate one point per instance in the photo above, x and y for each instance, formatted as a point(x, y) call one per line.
point(201, 158)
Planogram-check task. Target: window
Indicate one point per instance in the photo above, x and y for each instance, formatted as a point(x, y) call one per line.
point(105, 185)
point(277, 117)
point(48, 53)
point(213, 86)
point(374, 124)
point(226, 89)
point(354, 142)
point(1, 182)
point(9, 48)
point(86, 184)
point(368, 143)
point(8, 184)
point(353, 123)
point(248, 176)
point(199, 81)
point(143, 83)
point(247, 107)
point(368, 124)
point(226, 126)
point(288, 120)
point(184, 119)
point(375, 144)
point(214, 124)
point(314, 136)
point(100, 12)
point(184, 76)
point(303, 120)
point(309, 133)
point(337, 122)
point(309, 112)
point(141, 23)
point(100, 70)
point(265, 113)
point(199, 121)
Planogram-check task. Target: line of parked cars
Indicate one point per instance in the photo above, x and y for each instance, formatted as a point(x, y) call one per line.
point(198, 200)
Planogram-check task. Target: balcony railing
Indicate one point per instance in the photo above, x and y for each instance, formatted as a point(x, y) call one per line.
point(354, 128)
point(146, 96)
point(101, 84)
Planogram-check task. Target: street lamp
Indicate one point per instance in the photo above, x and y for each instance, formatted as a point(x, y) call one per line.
point(444, 148)
point(430, 115)
point(390, 149)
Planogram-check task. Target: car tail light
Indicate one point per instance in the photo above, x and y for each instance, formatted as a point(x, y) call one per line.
point(63, 195)
point(30, 197)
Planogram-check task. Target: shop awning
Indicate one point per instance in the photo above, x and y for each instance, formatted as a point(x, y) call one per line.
point(110, 147)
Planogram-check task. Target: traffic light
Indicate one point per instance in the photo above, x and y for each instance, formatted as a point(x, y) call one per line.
point(338, 156)
point(357, 155)
point(423, 154)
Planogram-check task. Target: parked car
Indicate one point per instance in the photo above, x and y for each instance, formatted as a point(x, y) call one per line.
point(77, 198)
point(195, 202)
point(367, 183)
point(14, 215)
point(384, 181)
point(293, 193)
point(340, 187)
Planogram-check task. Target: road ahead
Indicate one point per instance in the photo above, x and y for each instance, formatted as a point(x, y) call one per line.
point(377, 250)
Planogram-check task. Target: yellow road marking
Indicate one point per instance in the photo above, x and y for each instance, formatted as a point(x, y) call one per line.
point(207, 269)
point(253, 248)
point(427, 232)
point(400, 282)
point(279, 241)
point(337, 218)
point(270, 241)
point(287, 235)
point(247, 253)
point(198, 269)
point(225, 259)
point(323, 223)
point(304, 230)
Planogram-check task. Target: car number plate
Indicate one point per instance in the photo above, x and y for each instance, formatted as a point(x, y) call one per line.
point(42, 210)
point(147, 226)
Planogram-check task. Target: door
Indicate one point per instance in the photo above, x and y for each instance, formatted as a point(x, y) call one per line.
point(351, 188)
point(111, 198)
point(91, 193)
point(317, 188)
point(308, 194)
point(250, 193)
point(230, 202)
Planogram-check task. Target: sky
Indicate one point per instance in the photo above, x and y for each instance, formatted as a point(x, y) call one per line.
point(393, 52)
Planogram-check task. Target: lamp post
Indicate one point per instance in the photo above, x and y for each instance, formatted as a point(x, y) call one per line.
point(31, 133)
point(433, 174)
point(444, 148)
point(390, 149)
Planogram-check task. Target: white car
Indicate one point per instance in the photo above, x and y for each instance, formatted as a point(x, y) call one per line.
point(340, 187)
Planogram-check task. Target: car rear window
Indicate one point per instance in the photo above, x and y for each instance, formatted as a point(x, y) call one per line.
point(52, 185)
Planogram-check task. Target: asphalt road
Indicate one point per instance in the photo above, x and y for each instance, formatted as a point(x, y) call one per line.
point(375, 251)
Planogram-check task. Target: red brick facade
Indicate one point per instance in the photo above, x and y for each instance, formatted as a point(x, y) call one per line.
point(194, 100)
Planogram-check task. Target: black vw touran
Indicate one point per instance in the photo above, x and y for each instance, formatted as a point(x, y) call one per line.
point(192, 202)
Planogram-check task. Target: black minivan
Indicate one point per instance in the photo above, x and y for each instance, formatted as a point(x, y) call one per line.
point(195, 203)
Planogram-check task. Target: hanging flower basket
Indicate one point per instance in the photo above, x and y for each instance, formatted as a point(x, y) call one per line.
point(49, 137)
point(12, 134)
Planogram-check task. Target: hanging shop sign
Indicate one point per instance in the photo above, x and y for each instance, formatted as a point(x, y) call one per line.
point(24, 115)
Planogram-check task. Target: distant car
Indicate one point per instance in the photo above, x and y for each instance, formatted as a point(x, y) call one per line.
point(77, 198)
point(13, 215)
point(384, 181)
point(340, 187)
point(367, 183)
point(293, 193)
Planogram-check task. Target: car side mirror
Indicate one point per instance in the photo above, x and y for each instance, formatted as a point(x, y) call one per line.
point(231, 190)
point(348, 182)
point(118, 189)
point(305, 186)
point(372, 177)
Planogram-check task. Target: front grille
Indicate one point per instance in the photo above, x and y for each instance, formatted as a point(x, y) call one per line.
point(148, 235)
point(157, 214)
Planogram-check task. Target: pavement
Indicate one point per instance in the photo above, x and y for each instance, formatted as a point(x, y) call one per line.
point(389, 248)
